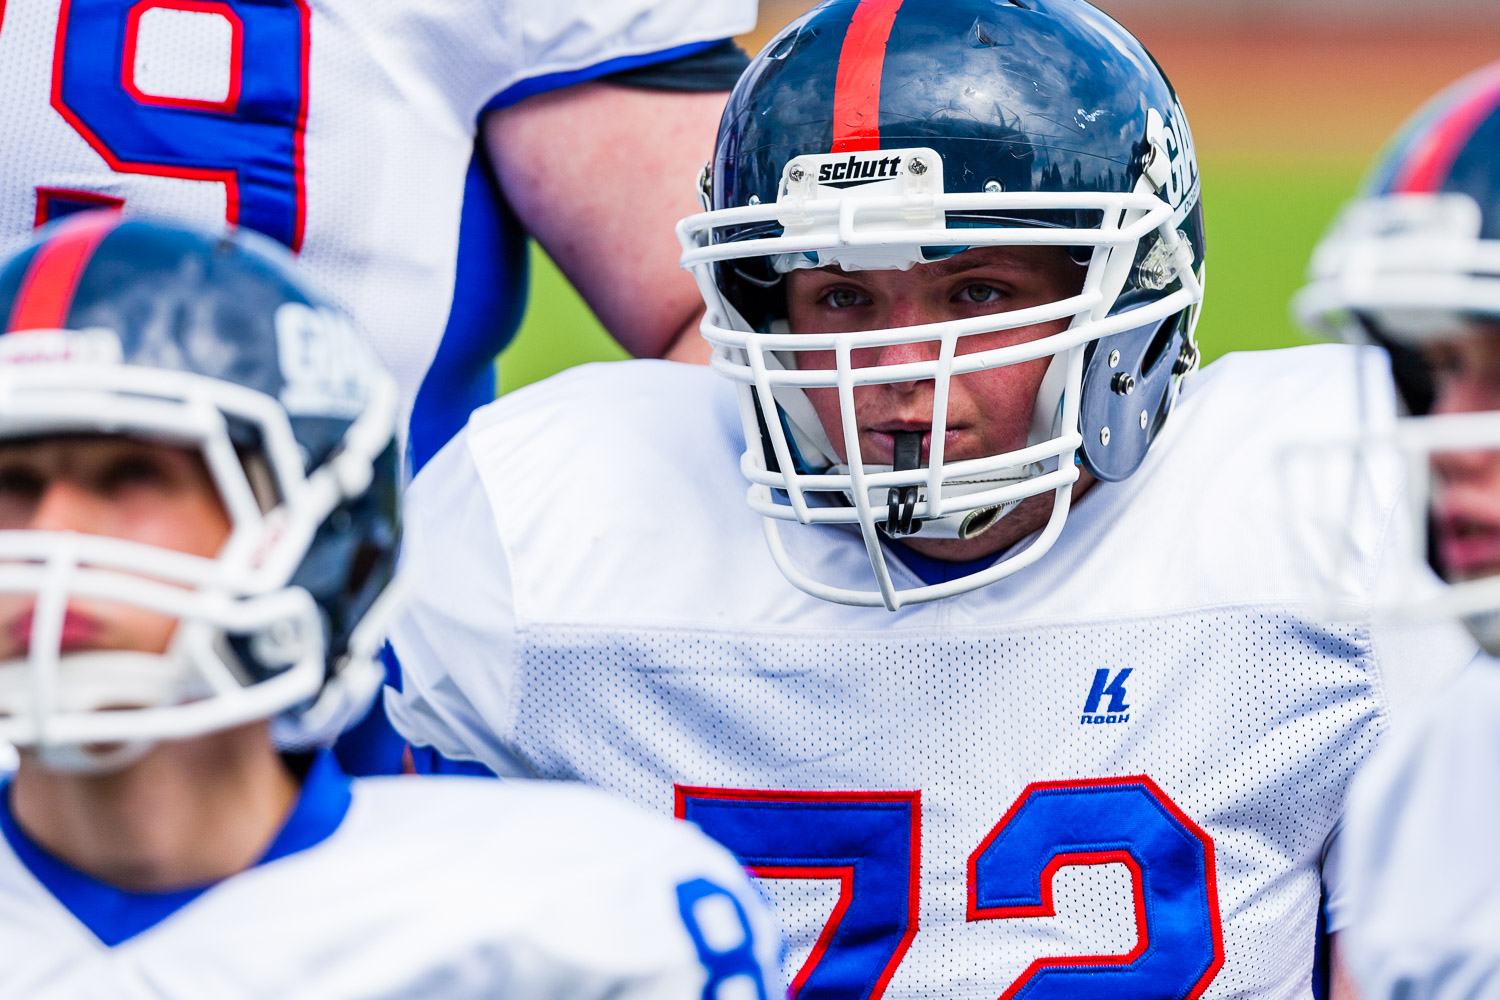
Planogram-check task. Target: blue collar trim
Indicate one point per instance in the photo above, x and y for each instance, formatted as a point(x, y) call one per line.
point(934, 571)
point(117, 915)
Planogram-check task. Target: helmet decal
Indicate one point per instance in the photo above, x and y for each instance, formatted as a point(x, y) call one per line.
point(856, 88)
point(51, 280)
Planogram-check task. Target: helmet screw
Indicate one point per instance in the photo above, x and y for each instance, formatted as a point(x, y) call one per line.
point(1114, 359)
point(1144, 420)
point(993, 186)
point(1123, 383)
point(1185, 360)
point(918, 166)
point(754, 200)
point(796, 174)
point(1104, 436)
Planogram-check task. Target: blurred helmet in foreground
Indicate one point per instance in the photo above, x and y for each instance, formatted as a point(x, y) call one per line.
point(212, 343)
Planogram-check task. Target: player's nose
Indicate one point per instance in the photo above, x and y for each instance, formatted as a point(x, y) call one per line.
point(64, 505)
point(908, 353)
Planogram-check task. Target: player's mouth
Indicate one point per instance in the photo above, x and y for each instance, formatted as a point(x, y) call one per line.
point(79, 631)
point(879, 443)
point(1467, 532)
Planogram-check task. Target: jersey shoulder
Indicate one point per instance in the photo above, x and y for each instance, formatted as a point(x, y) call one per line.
point(583, 39)
point(559, 869)
point(1216, 516)
point(606, 488)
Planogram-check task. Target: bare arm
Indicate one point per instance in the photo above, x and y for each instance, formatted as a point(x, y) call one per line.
point(600, 174)
point(1341, 984)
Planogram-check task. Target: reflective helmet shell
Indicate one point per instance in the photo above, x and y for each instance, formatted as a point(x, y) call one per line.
point(1045, 96)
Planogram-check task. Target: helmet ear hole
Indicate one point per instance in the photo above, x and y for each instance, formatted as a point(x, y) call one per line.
point(1158, 346)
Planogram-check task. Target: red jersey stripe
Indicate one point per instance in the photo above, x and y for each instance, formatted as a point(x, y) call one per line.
point(1434, 153)
point(47, 289)
point(856, 87)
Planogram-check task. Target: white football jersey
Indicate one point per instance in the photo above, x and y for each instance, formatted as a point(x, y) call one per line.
point(342, 128)
point(452, 888)
point(1113, 774)
point(1422, 880)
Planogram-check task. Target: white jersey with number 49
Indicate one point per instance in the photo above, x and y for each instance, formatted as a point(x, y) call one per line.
point(1114, 774)
point(407, 889)
point(342, 128)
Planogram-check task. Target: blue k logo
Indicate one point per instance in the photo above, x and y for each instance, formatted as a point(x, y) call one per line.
point(1104, 686)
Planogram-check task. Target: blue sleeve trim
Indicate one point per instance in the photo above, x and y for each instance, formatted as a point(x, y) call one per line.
point(518, 92)
point(426, 760)
point(116, 915)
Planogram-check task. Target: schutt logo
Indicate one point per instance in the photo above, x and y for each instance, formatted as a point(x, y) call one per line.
point(855, 171)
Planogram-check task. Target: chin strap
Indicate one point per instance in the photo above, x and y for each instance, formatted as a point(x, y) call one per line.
point(102, 759)
point(961, 525)
point(93, 682)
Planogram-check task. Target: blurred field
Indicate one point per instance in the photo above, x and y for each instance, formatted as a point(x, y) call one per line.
point(1286, 117)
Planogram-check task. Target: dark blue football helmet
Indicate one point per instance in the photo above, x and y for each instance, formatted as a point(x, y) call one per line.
point(879, 134)
point(216, 343)
point(1414, 261)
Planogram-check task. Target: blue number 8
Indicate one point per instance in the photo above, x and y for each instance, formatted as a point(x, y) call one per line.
point(738, 960)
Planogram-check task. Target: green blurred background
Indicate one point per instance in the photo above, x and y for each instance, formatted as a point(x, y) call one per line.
point(1287, 110)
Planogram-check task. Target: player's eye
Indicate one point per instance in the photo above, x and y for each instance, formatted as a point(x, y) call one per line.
point(843, 298)
point(980, 295)
point(133, 471)
point(20, 482)
point(21, 489)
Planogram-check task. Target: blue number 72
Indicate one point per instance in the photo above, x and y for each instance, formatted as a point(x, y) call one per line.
point(871, 843)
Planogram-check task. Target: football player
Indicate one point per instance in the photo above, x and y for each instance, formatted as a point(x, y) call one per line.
point(198, 525)
point(346, 130)
point(1001, 681)
point(1414, 266)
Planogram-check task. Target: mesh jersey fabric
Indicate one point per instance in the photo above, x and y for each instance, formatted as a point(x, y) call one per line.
point(1423, 886)
point(596, 602)
point(484, 890)
point(371, 190)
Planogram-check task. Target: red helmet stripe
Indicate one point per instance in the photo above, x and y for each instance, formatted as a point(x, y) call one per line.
point(856, 87)
point(47, 289)
point(1434, 153)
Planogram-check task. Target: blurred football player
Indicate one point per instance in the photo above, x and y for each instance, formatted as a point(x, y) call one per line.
point(198, 526)
point(1414, 266)
point(346, 130)
point(975, 741)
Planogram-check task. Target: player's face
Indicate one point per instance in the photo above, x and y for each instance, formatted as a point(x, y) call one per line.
point(989, 412)
point(1466, 503)
point(122, 488)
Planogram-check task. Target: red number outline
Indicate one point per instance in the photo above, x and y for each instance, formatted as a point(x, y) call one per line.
point(682, 792)
point(845, 876)
point(44, 196)
point(1092, 858)
point(236, 54)
point(226, 177)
